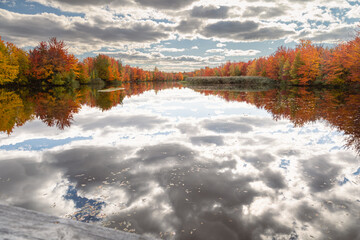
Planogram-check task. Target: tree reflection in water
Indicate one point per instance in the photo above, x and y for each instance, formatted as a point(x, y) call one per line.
point(57, 106)
point(340, 109)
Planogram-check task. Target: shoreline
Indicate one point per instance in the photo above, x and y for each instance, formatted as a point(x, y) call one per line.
point(258, 82)
point(19, 223)
point(243, 80)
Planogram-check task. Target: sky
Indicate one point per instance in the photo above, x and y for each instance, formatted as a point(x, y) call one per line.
point(178, 35)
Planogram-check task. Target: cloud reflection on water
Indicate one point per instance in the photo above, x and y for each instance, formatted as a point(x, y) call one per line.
point(215, 174)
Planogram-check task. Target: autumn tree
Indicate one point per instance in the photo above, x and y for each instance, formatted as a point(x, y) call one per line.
point(352, 61)
point(9, 67)
point(273, 68)
point(179, 77)
point(251, 70)
point(105, 68)
point(335, 70)
point(295, 68)
point(23, 63)
point(82, 73)
point(308, 68)
point(102, 65)
point(51, 62)
point(285, 70)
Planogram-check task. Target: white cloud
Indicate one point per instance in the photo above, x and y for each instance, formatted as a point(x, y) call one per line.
point(136, 24)
point(234, 52)
point(28, 30)
point(335, 33)
point(170, 63)
point(237, 52)
point(215, 50)
point(164, 49)
point(354, 12)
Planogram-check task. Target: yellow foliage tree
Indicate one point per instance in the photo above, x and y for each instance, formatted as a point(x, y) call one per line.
point(9, 68)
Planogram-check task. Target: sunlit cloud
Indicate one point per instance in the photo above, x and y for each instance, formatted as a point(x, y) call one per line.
point(232, 52)
point(220, 45)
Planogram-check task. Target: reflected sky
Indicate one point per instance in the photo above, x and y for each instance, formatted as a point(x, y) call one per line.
point(178, 164)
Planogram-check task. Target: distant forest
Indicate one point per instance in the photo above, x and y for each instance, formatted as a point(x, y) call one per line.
point(307, 64)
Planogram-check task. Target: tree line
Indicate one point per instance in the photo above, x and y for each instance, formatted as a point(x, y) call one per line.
point(306, 64)
point(51, 63)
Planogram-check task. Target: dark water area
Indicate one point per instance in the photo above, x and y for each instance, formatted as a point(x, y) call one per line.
point(172, 162)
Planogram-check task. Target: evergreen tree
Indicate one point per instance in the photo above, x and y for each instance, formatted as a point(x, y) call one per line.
point(294, 72)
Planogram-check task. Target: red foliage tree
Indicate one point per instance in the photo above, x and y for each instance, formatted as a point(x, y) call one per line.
point(49, 60)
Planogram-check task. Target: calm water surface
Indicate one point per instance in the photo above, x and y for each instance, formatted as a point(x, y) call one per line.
point(179, 163)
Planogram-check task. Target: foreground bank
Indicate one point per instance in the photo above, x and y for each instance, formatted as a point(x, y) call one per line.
point(19, 223)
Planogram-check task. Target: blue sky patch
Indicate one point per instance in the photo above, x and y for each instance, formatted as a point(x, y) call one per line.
point(29, 7)
point(89, 209)
point(284, 163)
point(41, 144)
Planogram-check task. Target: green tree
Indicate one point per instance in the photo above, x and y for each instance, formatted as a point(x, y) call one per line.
point(102, 65)
point(294, 72)
point(285, 71)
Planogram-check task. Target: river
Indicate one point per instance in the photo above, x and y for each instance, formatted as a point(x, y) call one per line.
point(176, 162)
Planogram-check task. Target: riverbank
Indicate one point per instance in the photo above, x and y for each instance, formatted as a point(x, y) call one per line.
point(19, 223)
point(240, 80)
point(255, 83)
